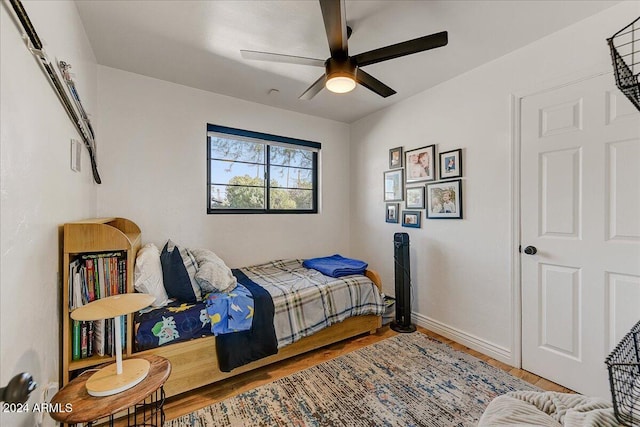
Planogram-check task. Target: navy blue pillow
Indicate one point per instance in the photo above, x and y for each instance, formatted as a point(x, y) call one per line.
point(175, 276)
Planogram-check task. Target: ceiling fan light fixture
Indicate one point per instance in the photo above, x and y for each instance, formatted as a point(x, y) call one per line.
point(341, 76)
point(340, 84)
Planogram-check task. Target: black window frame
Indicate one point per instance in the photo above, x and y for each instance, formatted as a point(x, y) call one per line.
point(266, 139)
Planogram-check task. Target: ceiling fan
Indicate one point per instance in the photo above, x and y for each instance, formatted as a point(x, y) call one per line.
point(342, 71)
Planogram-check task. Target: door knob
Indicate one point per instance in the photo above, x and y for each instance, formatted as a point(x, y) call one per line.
point(530, 250)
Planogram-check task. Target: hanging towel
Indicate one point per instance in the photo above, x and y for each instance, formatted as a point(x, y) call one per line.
point(336, 265)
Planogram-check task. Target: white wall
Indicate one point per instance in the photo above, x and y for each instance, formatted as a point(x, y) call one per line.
point(461, 269)
point(154, 170)
point(38, 190)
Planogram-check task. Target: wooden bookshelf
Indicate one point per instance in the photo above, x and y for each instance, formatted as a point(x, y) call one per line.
point(91, 236)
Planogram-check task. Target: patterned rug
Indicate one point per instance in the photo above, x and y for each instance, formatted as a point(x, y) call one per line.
point(405, 380)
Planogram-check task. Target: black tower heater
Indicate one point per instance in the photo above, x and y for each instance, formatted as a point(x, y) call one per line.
point(403, 284)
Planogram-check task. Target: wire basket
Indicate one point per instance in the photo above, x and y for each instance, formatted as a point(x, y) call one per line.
point(624, 378)
point(625, 54)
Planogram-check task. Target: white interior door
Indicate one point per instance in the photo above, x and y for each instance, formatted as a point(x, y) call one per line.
point(580, 208)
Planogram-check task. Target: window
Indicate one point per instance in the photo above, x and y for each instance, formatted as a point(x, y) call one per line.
point(252, 172)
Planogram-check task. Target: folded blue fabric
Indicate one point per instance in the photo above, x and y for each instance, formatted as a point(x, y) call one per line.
point(336, 265)
point(230, 311)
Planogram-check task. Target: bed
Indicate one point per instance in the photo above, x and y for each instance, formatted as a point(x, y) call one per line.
point(198, 358)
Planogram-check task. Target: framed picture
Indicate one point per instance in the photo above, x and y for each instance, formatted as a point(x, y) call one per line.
point(444, 200)
point(393, 186)
point(451, 164)
point(415, 198)
point(393, 212)
point(411, 219)
point(395, 158)
point(420, 164)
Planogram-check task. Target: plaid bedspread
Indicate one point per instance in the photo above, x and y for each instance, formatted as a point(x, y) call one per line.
point(307, 301)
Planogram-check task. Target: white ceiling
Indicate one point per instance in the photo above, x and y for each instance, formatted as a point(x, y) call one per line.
point(197, 43)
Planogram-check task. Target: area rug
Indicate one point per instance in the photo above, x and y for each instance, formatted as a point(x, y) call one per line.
point(405, 380)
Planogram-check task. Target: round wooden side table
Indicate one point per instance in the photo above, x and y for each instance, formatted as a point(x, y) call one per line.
point(143, 403)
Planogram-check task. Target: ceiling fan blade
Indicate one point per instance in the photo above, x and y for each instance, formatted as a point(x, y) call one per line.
point(373, 84)
point(313, 90)
point(401, 49)
point(277, 57)
point(335, 24)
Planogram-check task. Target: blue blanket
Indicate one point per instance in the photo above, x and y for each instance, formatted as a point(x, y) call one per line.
point(175, 322)
point(336, 265)
point(230, 311)
point(240, 348)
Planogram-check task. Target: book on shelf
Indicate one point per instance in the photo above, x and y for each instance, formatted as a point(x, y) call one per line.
point(94, 276)
point(75, 342)
point(90, 280)
point(123, 324)
point(74, 292)
point(89, 339)
point(83, 340)
point(122, 268)
point(101, 279)
point(98, 337)
point(108, 342)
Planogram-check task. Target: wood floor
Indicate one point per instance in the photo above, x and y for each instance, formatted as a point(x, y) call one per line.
point(191, 401)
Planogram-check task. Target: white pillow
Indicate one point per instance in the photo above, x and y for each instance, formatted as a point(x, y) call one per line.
point(213, 275)
point(148, 274)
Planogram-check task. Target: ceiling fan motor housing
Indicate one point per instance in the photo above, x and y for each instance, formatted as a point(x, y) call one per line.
point(340, 74)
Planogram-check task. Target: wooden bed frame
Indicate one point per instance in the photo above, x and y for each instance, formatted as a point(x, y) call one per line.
point(194, 363)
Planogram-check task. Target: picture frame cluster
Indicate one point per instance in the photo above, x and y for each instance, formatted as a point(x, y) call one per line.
point(423, 182)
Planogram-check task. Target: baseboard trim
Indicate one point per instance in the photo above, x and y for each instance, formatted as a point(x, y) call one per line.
point(483, 346)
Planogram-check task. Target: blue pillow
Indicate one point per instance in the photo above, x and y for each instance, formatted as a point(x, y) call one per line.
point(178, 282)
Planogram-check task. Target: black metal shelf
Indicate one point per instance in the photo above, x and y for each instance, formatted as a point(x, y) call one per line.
point(625, 55)
point(624, 378)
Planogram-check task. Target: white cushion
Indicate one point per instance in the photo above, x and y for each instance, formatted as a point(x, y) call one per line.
point(213, 275)
point(148, 274)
